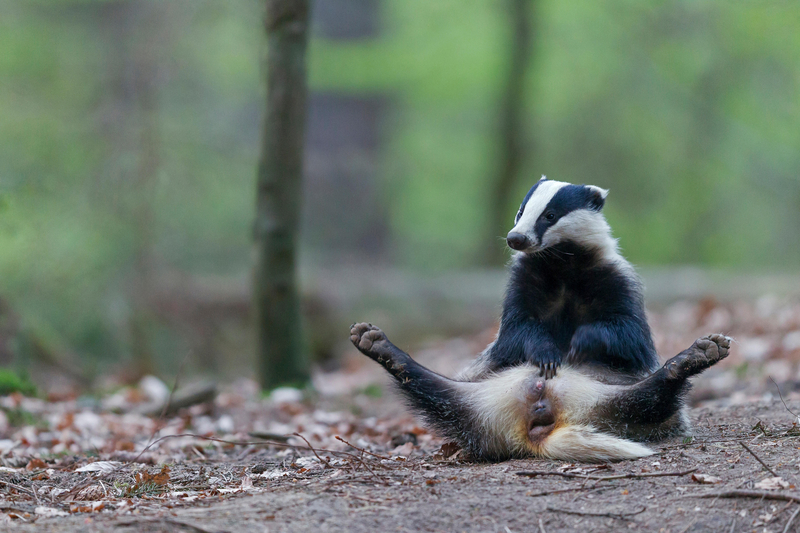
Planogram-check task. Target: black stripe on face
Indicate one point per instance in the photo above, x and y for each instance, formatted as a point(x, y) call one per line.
point(568, 198)
point(525, 200)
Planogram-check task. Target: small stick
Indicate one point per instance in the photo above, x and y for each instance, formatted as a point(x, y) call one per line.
point(797, 418)
point(606, 478)
point(781, 496)
point(320, 459)
point(559, 491)
point(791, 519)
point(746, 447)
point(212, 439)
point(733, 526)
point(541, 526)
point(362, 450)
point(620, 516)
point(20, 489)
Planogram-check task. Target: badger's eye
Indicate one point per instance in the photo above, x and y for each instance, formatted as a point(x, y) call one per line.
point(550, 216)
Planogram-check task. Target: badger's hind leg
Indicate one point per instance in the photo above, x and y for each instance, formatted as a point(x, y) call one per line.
point(439, 400)
point(372, 342)
point(652, 408)
point(701, 355)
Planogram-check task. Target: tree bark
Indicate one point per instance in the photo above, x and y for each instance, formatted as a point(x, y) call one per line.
point(511, 135)
point(281, 352)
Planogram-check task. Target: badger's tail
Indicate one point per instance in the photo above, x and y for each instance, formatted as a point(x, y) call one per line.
point(585, 443)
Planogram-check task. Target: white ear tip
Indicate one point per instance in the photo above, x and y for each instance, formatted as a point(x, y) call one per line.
point(543, 178)
point(599, 190)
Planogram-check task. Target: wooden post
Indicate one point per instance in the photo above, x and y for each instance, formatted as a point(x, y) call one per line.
point(281, 350)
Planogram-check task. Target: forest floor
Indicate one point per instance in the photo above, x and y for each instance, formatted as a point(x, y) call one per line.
point(347, 457)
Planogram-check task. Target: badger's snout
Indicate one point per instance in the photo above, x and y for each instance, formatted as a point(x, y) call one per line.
point(517, 241)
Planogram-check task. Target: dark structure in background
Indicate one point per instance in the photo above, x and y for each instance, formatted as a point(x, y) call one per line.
point(342, 193)
point(511, 131)
point(281, 352)
point(345, 19)
point(344, 141)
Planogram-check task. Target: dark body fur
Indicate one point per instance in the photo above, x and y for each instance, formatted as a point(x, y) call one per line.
point(566, 305)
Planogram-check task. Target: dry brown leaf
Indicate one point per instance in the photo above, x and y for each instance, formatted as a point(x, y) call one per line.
point(35, 464)
point(90, 493)
point(705, 479)
point(146, 482)
point(448, 449)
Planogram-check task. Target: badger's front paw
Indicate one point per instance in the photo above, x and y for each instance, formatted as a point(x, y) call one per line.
point(704, 353)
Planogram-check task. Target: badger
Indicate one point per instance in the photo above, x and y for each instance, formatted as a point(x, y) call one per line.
point(573, 373)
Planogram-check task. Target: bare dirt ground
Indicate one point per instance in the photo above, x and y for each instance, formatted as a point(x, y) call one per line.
point(102, 464)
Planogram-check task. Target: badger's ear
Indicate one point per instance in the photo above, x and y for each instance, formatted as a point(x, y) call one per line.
point(597, 197)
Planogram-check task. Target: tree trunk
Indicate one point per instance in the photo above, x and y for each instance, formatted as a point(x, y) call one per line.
point(511, 132)
point(281, 351)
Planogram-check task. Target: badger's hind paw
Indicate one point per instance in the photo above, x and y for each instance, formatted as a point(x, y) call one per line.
point(364, 336)
point(372, 342)
point(704, 353)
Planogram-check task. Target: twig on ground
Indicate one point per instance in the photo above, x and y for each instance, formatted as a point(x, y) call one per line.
point(606, 478)
point(170, 521)
point(541, 526)
point(223, 441)
point(559, 491)
point(733, 526)
point(310, 447)
point(795, 415)
point(791, 519)
point(780, 496)
point(620, 516)
point(362, 450)
point(174, 388)
point(746, 447)
point(20, 489)
point(726, 439)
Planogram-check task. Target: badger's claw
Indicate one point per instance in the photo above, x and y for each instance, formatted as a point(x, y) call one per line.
point(548, 370)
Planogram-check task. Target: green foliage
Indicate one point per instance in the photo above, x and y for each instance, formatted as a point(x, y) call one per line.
point(687, 111)
point(373, 391)
point(11, 382)
point(19, 417)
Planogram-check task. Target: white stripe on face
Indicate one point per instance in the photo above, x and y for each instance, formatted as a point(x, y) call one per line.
point(536, 205)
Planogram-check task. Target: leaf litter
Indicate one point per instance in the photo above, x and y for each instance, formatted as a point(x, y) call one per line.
point(112, 456)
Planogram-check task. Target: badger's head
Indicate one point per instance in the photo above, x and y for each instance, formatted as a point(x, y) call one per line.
point(554, 212)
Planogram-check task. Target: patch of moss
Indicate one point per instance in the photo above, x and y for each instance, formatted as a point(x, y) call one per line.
point(11, 382)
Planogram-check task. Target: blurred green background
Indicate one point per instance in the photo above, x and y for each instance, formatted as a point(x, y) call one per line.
point(129, 134)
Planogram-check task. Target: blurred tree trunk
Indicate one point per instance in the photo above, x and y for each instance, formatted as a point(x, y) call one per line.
point(511, 132)
point(136, 36)
point(281, 352)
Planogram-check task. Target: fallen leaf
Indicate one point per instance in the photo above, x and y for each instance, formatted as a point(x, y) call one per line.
point(100, 466)
point(705, 479)
point(35, 464)
point(49, 512)
point(772, 483)
point(448, 449)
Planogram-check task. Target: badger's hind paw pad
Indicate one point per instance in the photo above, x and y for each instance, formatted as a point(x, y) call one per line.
point(714, 347)
point(704, 353)
point(366, 337)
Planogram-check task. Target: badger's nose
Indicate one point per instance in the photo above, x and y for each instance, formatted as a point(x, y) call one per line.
point(517, 241)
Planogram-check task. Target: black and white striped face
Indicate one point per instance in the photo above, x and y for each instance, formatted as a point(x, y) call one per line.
point(554, 212)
